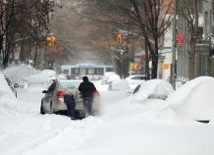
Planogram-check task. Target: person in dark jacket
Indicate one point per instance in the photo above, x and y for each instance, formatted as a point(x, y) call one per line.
point(87, 89)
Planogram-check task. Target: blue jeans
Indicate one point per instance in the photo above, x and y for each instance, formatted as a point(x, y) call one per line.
point(88, 106)
point(70, 102)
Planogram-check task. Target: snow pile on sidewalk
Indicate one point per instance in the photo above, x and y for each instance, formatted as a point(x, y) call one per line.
point(26, 75)
point(20, 72)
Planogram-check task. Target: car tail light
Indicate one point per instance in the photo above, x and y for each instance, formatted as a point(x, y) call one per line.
point(96, 93)
point(60, 94)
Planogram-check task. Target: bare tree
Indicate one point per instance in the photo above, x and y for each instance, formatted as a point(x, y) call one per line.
point(189, 9)
point(147, 19)
point(153, 18)
point(18, 20)
point(7, 33)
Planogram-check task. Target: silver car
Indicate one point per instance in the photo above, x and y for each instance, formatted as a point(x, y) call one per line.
point(53, 101)
point(79, 104)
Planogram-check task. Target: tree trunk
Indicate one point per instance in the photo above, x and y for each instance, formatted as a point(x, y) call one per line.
point(147, 71)
point(192, 58)
point(155, 58)
point(36, 55)
point(5, 61)
point(154, 67)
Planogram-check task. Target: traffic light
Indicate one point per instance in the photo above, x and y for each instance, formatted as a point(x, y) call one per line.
point(51, 40)
point(119, 38)
point(134, 66)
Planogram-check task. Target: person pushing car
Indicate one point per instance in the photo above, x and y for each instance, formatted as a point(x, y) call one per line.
point(70, 98)
point(87, 89)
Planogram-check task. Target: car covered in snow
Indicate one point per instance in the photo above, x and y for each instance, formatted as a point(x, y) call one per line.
point(153, 89)
point(134, 80)
point(118, 85)
point(115, 78)
point(8, 83)
point(12, 86)
point(193, 101)
point(106, 77)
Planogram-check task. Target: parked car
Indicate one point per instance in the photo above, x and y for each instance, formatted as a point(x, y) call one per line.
point(153, 89)
point(118, 85)
point(12, 86)
point(106, 76)
point(112, 80)
point(135, 80)
point(9, 82)
point(53, 102)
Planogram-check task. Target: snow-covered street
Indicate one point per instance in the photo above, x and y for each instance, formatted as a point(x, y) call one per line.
point(126, 126)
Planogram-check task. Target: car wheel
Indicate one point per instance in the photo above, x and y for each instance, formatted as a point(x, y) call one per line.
point(51, 108)
point(42, 110)
point(79, 114)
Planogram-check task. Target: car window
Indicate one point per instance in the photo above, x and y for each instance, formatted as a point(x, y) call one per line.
point(143, 78)
point(8, 81)
point(65, 84)
point(136, 78)
point(136, 89)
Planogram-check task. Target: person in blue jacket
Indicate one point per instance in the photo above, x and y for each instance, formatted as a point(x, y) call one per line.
point(70, 98)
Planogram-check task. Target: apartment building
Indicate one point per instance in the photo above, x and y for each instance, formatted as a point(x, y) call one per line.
point(204, 62)
point(203, 59)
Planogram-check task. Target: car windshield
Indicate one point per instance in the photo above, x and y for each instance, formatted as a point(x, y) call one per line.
point(67, 83)
point(138, 78)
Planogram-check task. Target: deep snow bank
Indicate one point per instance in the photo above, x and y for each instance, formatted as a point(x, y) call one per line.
point(192, 101)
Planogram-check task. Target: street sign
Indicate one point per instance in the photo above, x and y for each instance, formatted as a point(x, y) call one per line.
point(142, 58)
point(179, 38)
point(165, 66)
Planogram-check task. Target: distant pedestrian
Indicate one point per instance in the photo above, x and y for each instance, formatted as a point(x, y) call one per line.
point(87, 89)
point(71, 97)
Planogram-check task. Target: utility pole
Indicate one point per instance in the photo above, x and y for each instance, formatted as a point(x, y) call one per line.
point(174, 46)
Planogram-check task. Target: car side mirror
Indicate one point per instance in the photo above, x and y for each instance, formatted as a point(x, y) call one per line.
point(16, 85)
point(44, 91)
point(129, 92)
